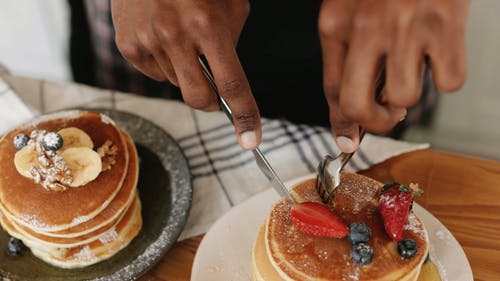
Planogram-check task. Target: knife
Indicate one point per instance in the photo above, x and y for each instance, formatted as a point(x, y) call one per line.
point(261, 160)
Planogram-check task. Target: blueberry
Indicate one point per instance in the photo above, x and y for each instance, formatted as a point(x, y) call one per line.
point(362, 253)
point(52, 141)
point(21, 140)
point(407, 248)
point(359, 232)
point(15, 247)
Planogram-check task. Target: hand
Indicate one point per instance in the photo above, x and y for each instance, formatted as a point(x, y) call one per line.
point(358, 36)
point(163, 39)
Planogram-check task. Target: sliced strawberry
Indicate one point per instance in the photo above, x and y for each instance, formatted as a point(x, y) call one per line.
point(395, 205)
point(318, 220)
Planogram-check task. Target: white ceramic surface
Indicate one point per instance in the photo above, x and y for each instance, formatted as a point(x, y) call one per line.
point(226, 250)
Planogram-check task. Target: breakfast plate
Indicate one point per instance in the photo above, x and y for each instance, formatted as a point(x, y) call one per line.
point(165, 190)
point(225, 253)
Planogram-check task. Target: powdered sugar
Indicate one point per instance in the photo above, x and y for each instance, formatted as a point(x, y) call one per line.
point(352, 272)
point(389, 201)
point(441, 268)
point(106, 119)
point(415, 226)
point(444, 236)
point(79, 220)
point(34, 221)
point(52, 139)
point(355, 193)
point(85, 254)
point(51, 171)
point(108, 236)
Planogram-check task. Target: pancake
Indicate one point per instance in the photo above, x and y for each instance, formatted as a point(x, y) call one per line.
point(28, 204)
point(111, 213)
point(262, 268)
point(294, 255)
point(55, 242)
point(429, 272)
point(77, 226)
point(105, 247)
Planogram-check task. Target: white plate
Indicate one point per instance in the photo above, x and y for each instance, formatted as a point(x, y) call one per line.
point(226, 250)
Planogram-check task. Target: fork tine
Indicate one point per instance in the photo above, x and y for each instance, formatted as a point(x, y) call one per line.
point(320, 182)
point(320, 189)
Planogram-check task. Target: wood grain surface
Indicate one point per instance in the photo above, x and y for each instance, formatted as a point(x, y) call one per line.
point(462, 192)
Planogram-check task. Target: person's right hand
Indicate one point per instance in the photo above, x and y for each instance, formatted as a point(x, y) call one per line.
point(163, 39)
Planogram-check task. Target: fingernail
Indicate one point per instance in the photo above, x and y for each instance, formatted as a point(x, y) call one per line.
point(248, 140)
point(402, 114)
point(345, 144)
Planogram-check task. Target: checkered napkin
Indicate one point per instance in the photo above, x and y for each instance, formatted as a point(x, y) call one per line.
point(12, 109)
point(224, 175)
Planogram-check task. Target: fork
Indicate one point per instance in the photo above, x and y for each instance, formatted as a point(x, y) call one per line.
point(330, 167)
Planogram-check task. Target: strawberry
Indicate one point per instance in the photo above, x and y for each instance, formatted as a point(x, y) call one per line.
point(395, 204)
point(318, 220)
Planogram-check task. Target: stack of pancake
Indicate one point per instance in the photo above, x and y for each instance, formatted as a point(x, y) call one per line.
point(82, 224)
point(282, 252)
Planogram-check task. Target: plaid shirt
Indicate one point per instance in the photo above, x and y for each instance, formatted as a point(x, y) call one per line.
point(113, 72)
point(111, 69)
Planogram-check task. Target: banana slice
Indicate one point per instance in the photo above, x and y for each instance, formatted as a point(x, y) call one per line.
point(25, 159)
point(74, 137)
point(85, 164)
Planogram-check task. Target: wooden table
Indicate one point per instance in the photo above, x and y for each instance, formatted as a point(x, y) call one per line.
point(462, 192)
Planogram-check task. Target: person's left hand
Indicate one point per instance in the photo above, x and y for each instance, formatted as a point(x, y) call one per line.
point(358, 36)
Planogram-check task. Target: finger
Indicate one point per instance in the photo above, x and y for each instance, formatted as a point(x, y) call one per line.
point(448, 60)
point(357, 97)
point(234, 88)
point(196, 91)
point(404, 74)
point(334, 25)
point(150, 42)
point(150, 68)
point(165, 66)
point(399, 111)
point(133, 52)
point(345, 131)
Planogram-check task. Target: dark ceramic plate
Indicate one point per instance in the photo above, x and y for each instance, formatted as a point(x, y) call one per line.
point(165, 190)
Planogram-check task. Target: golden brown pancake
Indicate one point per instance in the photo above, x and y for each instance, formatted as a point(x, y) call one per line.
point(263, 270)
point(298, 256)
point(106, 246)
point(32, 206)
point(56, 242)
point(429, 272)
point(78, 226)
